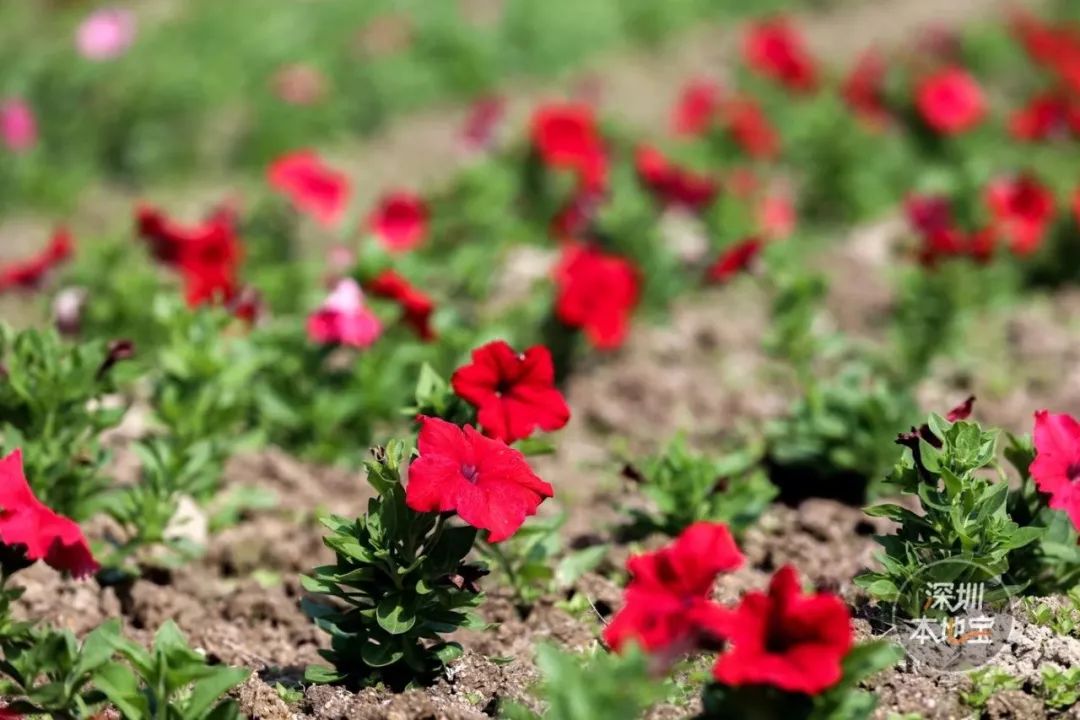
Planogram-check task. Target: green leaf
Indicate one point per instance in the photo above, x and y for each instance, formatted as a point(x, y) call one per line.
point(122, 688)
point(395, 614)
point(208, 691)
point(322, 675)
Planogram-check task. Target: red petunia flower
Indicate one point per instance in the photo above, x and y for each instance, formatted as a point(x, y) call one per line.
point(696, 108)
point(30, 273)
point(736, 259)
point(343, 319)
point(746, 122)
point(597, 293)
point(928, 213)
point(486, 482)
point(207, 256)
point(417, 307)
point(951, 101)
point(671, 184)
point(668, 605)
point(1055, 47)
point(775, 49)
point(513, 393)
point(864, 89)
point(400, 221)
point(1056, 468)
point(1023, 209)
point(25, 522)
point(961, 411)
point(565, 137)
point(1046, 116)
point(313, 187)
point(786, 639)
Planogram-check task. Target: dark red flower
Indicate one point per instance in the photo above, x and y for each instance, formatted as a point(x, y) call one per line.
point(483, 122)
point(416, 306)
point(207, 255)
point(1023, 209)
point(513, 393)
point(671, 184)
point(313, 187)
point(28, 274)
point(786, 639)
point(735, 259)
point(775, 49)
point(668, 607)
point(400, 221)
point(928, 213)
point(950, 101)
point(1046, 116)
point(597, 293)
point(864, 89)
point(41, 534)
point(1056, 468)
point(486, 482)
point(696, 109)
point(961, 411)
point(1055, 48)
point(747, 124)
point(565, 137)
point(573, 220)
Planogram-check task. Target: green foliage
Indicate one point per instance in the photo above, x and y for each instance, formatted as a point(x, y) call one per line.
point(843, 701)
point(400, 582)
point(964, 533)
point(987, 682)
point(529, 561)
point(600, 686)
point(1060, 688)
point(53, 406)
point(169, 682)
point(1060, 614)
point(683, 487)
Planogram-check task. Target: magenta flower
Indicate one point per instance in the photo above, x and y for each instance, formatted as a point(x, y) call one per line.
point(18, 127)
point(105, 34)
point(343, 319)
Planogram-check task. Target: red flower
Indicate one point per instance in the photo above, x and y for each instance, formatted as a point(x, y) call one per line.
point(961, 411)
point(668, 604)
point(400, 221)
point(513, 393)
point(416, 306)
point(736, 259)
point(597, 293)
point(696, 108)
point(486, 482)
point(482, 123)
point(776, 216)
point(951, 101)
point(1057, 49)
point(43, 535)
point(864, 89)
point(671, 184)
point(312, 186)
point(29, 274)
point(208, 255)
point(343, 319)
point(776, 50)
point(1047, 116)
point(1023, 208)
point(566, 137)
point(786, 639)
point(1056, 468)
point(928, 213)
point(746, 122)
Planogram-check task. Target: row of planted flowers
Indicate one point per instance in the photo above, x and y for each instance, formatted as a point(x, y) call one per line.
point(242, 357)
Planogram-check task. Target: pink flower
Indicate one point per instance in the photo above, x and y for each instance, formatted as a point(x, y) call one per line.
point(18, 127)
point(105, 34)
point(1056, 469)
point(314, 187)
point(343, 319)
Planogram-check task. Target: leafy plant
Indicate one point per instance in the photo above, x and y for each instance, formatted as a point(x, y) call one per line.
point(399, 582)
point(1062, 615)
point(987, 682)
point(168, 682)
point(964, 533)
point(683, 486)
point(1060, 688)
point(53, 404)
point(599, 686)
